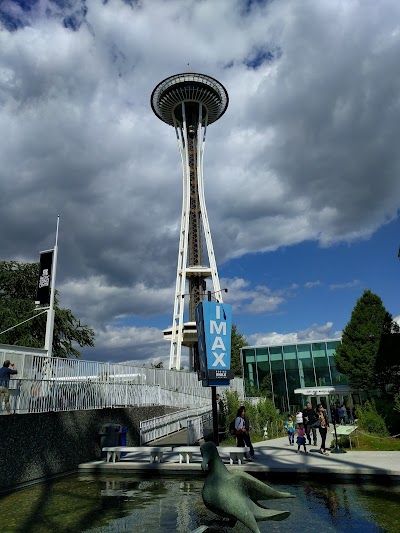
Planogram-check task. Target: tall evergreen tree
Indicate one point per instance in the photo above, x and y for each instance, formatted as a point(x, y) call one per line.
point(18, 283)
point(237, 342)
point(356, 356)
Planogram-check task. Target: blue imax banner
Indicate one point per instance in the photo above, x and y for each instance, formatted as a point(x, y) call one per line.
point(214, 327)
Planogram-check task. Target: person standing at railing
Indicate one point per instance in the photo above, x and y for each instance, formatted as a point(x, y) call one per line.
point(5, 373)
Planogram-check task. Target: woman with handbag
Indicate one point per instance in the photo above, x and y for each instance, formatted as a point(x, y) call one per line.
point(242, 428)
point(323, 426)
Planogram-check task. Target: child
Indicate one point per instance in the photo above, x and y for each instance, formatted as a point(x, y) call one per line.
point(289, 425)
point(299, 418)
point(301, 438)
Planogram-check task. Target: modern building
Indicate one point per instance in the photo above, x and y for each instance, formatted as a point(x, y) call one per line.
point(296, 373)
point(190, 102)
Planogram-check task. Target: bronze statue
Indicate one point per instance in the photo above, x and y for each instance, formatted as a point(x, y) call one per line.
point(235, 494)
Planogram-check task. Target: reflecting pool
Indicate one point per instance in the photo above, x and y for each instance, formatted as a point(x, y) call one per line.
point(105, 504)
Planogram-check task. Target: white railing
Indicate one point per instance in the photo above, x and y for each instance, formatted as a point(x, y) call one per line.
point(52, 384)
point(40, 367)
point(199, 427)
point(161, 426)
point(38, 396)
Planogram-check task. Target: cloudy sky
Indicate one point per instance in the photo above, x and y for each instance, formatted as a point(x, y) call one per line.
point(301, 173)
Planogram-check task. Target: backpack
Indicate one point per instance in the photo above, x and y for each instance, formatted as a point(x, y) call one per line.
point(232, 429)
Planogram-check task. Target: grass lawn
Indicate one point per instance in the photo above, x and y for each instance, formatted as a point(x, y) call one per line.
point(370, 443)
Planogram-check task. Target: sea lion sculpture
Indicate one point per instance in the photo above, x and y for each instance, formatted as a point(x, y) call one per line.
point(235, 494)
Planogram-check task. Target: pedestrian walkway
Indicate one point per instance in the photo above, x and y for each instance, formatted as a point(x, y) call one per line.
point(271, 457)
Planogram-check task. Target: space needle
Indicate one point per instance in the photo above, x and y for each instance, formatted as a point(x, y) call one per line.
point(190, 102)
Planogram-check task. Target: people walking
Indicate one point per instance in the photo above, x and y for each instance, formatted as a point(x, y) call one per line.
point(242, 428)
point(289, 425)
point(301, 438)
point(309, 418)
point(323, 424)
point(342, 414)
point(299, 418)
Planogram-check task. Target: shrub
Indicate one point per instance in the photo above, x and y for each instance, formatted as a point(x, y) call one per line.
point(396, 405)
point(259, 415)
point(370, 420)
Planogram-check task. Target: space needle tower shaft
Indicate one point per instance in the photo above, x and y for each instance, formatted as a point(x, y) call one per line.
point(190, 102)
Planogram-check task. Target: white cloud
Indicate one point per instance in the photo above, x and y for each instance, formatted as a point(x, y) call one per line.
point(310, 284)
point(134, 344)
point(245, 299)
point(306, 151)
point(345, 285)
point(313, 333)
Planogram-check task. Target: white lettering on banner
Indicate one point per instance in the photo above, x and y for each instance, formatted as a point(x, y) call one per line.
point(218, 343)
point(218, 359)
point(44, 279)
point(219, 328)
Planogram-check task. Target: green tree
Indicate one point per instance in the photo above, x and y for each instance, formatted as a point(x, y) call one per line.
point(370, 420)
point(18, 283)
point(388, 358)
point(237, 342)
point(356, 356)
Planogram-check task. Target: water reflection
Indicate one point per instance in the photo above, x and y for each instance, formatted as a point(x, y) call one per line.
point(110, 504)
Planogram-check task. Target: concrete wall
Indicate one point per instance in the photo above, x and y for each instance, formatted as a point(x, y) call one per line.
point(40, 445)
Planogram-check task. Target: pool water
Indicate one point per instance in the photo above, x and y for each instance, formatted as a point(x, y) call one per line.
point(105, 504)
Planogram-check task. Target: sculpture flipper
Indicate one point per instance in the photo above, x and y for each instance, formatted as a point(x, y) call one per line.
point(235, 494)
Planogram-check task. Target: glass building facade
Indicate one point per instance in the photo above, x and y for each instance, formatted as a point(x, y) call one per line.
point(282, 369)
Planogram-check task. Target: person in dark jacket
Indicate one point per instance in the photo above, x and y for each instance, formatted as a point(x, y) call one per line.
point(5, 373)
point(309, 418)
point(323, 427)
point(242, 428)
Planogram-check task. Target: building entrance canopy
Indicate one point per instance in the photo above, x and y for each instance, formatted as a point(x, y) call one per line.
point(325, 391)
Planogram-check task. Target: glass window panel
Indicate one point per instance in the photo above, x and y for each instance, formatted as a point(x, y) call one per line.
point(289, 352)
point(279, 387)
point(262, 354)
point(264, 376)
point(306, 367)
point(250, 374)
point(318, 349)
point(304, 351)
point(248, 355)
point(322, 374)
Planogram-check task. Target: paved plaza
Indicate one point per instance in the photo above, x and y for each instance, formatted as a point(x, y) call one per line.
point(274, 456)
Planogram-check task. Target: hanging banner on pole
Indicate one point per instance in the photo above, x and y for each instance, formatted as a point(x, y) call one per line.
point(44, 281)
point(214, 327)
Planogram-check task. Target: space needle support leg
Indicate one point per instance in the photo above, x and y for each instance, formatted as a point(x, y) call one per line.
point(179, 304)
point(204, 216)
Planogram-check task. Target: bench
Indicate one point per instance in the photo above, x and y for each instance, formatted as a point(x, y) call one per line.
point(156, 452)
point(186, 453)
point(345, 431)
point(235, 453)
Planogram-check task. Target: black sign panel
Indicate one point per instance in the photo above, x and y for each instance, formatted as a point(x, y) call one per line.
point(44, 281)
point(221, 374)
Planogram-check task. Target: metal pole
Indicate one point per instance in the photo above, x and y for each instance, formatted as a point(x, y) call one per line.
point(48, 343)
point(215, 414)
point(214, 401)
